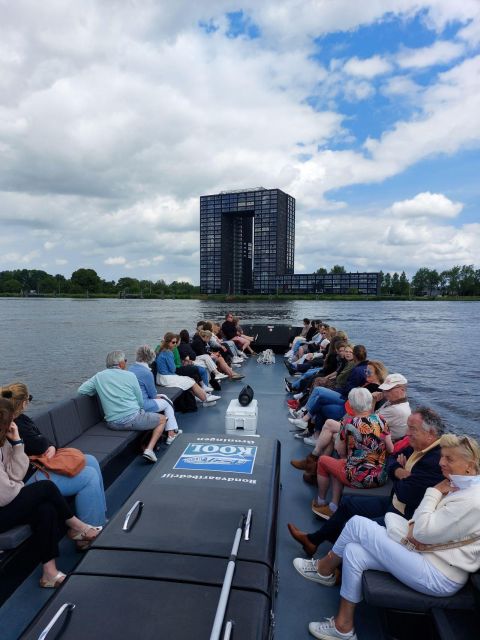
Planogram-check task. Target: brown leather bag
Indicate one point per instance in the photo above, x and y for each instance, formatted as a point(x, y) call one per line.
point(66, 462)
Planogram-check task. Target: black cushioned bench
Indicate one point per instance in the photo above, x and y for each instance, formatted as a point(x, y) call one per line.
point(78, 422)
point(384, 591)
point(385, 490)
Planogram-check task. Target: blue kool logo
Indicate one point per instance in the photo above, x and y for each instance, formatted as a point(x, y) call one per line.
point(214, 457)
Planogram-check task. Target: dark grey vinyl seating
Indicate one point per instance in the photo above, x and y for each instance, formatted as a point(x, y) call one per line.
point(78, 422)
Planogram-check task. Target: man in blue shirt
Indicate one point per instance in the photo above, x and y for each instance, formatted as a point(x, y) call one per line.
point(122, 401)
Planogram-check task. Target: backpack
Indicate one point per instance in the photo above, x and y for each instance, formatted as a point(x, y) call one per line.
point(185, 403)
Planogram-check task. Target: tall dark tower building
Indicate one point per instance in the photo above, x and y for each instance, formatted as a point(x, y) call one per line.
point(247, 238)
point(247, 245)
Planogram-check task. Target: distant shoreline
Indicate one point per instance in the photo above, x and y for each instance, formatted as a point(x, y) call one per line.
point(247, 298)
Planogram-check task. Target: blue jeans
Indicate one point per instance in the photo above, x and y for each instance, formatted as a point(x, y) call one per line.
point(322, 396)
point(86, 486)
point(205, 375)
point(301, 383)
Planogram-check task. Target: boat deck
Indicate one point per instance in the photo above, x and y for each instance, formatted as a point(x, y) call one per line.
point(298, 601)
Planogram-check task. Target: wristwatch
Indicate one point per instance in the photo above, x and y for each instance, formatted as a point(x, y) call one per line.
point(14, 442)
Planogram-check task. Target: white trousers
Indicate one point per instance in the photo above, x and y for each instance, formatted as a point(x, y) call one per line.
point(167, 409)
point(364, 544)
point(205, 361)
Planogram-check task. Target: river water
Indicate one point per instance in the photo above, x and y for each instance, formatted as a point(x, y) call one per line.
point(55, 344)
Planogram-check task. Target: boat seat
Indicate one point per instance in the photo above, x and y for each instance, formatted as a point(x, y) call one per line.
point(104, 447)
point(78, 423)
point(66, 422)
point(14, 537)
point(171, 392)
point(383, 590)
point(385, 490)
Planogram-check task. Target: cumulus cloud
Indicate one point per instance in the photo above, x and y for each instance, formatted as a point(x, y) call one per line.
point(115, 260)
point(441, 52)
point(427, 205)
point(368, 67)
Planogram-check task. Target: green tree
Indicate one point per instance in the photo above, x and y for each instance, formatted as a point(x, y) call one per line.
point(11, 285)
point(128, 285)
point(467, 280)
point(387, 284)
point(433, 280)
point(404, 284)
point(453, 280)
point(337, 268)
point(420, 282)
point(321, 271)
point(396, 284)
point(85, 280)
point(160, 287)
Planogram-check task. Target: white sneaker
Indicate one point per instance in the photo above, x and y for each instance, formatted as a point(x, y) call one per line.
point(301, 435)
point(296, 413)
point(237, 360)
point(220, 376)
point(310, 441)
point(308, 569)
point(299, 423)
point(149, 455)
point(237, 366)
point(207, 389)
point(211, 398)
point(171, 438)
point(297, 396)
point(326, 630)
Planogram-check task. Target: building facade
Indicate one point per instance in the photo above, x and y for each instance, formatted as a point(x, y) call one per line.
point(247, 245)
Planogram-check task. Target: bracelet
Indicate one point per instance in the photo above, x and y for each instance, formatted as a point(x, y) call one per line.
point(14, 442)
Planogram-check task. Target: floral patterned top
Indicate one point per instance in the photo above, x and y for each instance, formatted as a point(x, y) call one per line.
point(366, 450)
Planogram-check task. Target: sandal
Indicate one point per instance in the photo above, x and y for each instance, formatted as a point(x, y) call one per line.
point(54, 582)
point(83, 536)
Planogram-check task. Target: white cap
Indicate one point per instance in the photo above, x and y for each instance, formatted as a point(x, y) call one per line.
point(393, 380)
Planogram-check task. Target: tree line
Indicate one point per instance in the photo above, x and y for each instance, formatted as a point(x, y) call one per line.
point(457, 281)
point(86, 281)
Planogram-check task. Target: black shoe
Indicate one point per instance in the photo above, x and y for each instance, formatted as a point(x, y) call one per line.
point(288, 386)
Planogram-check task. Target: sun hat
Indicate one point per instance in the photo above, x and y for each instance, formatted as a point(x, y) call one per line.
point(393, 380)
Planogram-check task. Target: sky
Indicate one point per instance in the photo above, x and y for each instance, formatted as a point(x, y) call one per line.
point(117, 115)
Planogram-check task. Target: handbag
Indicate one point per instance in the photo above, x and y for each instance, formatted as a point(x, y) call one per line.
point(65, 462)
point(245, 396)
point(397, 529)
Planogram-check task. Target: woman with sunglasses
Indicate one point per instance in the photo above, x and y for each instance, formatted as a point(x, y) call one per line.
point(86, 485)
point(434, 552)
point(166, 371)
point(39, 505)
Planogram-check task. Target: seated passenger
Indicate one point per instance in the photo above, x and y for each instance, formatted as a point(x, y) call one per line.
point(153, 401)
point(376, 374)
point(242, 339)
point(39, 505)
point(167, 376)
point(411, 472)
point(200, 344)
point(363, 443)
point(434, 552)
point(122, 401)
point(230, 332)
point(396, 407)
point(188, 356)
point(326, 403)
point(86, 485)
point(199, 374)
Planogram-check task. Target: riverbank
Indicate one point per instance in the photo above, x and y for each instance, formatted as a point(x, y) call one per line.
point(247, 298)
